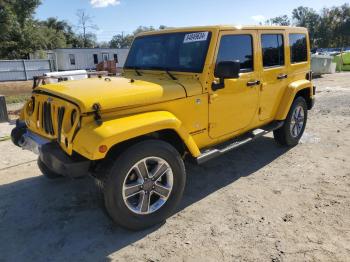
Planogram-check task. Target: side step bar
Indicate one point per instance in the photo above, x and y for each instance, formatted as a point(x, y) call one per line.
point(238, 141)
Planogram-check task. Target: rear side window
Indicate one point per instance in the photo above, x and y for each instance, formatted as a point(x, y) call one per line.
point(272, 50)
point(298, 48)
point(237, 47)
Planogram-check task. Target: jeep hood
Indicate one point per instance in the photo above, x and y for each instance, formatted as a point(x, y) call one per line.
point(113, 93)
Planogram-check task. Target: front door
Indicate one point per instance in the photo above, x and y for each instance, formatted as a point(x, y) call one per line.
point(274, 76)
point(234, 107)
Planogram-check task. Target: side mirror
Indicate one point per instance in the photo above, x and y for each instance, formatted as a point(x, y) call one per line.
point(225, 70)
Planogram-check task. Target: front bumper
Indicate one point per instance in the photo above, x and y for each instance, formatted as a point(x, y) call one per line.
point(52, 155)
point(58, 161)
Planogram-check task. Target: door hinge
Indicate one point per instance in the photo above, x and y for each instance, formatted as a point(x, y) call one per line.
point(212, 98)
point(212, 125)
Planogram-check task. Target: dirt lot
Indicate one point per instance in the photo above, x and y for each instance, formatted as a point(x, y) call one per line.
point(16, 88)
point(259, 203)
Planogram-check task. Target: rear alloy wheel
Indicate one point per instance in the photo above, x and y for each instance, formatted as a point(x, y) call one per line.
point(144, 184)
point(294, 126)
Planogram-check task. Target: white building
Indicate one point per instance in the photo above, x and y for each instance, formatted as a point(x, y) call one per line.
point(85, 58)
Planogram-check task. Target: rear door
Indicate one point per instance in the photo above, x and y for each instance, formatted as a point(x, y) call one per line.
point(274, 74)
point(233, 107)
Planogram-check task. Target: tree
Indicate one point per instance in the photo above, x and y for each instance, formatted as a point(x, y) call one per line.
point(17, 35)
point(121, 41)
point(308, 17)
point(125, 41)
point(279, 20)
point(141, 29)
point(85, 23)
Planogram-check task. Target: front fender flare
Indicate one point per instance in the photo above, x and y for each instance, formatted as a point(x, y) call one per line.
point(289, 96)
point(112, 132)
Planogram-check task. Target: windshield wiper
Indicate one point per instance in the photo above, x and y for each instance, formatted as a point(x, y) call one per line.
point(170, 74)
point(137, 71)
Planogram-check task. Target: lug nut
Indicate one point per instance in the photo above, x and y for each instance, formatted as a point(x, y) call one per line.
point(141, 187)
point(153, 187)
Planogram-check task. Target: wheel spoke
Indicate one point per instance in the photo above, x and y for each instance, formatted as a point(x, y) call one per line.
point(295, 130)
point(300, 126)
point(160, 172)
point(143, 170)
point(298, 112)
point(145, 201)
point(161, 190)
point(132, 190)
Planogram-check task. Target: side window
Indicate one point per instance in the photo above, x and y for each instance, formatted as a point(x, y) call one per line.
point(72, 59)
point(237, 47)
point(115, 57)
point(95, 59)
point(105, 56)
point(272, 50)
point(298, 48)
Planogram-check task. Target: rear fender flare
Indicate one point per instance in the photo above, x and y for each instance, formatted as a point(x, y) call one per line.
point(289, 97)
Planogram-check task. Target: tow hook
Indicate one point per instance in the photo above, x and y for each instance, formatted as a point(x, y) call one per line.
point(97, 113)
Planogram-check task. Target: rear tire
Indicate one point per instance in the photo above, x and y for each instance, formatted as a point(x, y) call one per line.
point(155, 172)
point(294, 126)
point(46, 171)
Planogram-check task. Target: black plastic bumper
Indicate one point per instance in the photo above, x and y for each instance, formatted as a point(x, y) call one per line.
point(58, 161)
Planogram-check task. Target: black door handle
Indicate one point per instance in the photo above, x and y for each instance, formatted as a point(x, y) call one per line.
point(253, 83)
point(282, 76)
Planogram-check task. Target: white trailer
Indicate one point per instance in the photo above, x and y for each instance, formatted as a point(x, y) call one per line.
point(86, 58)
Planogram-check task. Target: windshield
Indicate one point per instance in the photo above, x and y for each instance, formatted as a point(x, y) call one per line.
point(183, 52)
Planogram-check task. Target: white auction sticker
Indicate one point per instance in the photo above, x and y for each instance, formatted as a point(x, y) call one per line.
point(196, 37)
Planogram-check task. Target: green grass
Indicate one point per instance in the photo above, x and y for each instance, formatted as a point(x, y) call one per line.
point(16, 99)
point(5, 138)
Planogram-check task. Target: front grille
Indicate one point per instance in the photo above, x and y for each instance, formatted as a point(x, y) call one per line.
point(52, 119)
point(46, 123)
point(60, 116)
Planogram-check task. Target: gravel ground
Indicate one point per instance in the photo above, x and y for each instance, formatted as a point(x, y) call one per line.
point(261, 202)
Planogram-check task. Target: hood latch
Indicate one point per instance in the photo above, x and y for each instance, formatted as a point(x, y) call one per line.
point(97, 113)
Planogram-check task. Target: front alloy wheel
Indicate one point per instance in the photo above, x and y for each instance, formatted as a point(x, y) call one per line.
point(148, 185)
point(144, 184)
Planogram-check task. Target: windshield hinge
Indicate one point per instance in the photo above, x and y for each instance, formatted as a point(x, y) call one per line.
point(97, 113)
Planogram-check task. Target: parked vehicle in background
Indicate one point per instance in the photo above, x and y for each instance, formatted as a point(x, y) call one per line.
point(191, 93)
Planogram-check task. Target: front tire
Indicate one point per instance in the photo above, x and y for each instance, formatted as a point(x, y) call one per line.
point(48, 173)
point(144, 184)
point(294, 126)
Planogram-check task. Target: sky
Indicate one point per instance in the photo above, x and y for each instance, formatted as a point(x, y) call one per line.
point(117, 16)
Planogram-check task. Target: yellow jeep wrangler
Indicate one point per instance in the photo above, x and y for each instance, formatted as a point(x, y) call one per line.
point(193, 93)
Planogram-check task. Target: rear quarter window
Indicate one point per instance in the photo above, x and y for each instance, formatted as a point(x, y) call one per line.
point(298, 48)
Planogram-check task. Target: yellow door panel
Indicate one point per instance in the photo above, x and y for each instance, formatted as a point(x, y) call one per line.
point(233, 107)
point(274, 74)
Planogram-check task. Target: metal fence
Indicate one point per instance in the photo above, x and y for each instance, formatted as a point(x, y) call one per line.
point(17, 70)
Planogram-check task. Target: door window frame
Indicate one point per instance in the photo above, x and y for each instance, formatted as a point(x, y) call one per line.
point(261, 34)
point(285, 48)
point(250, 33)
